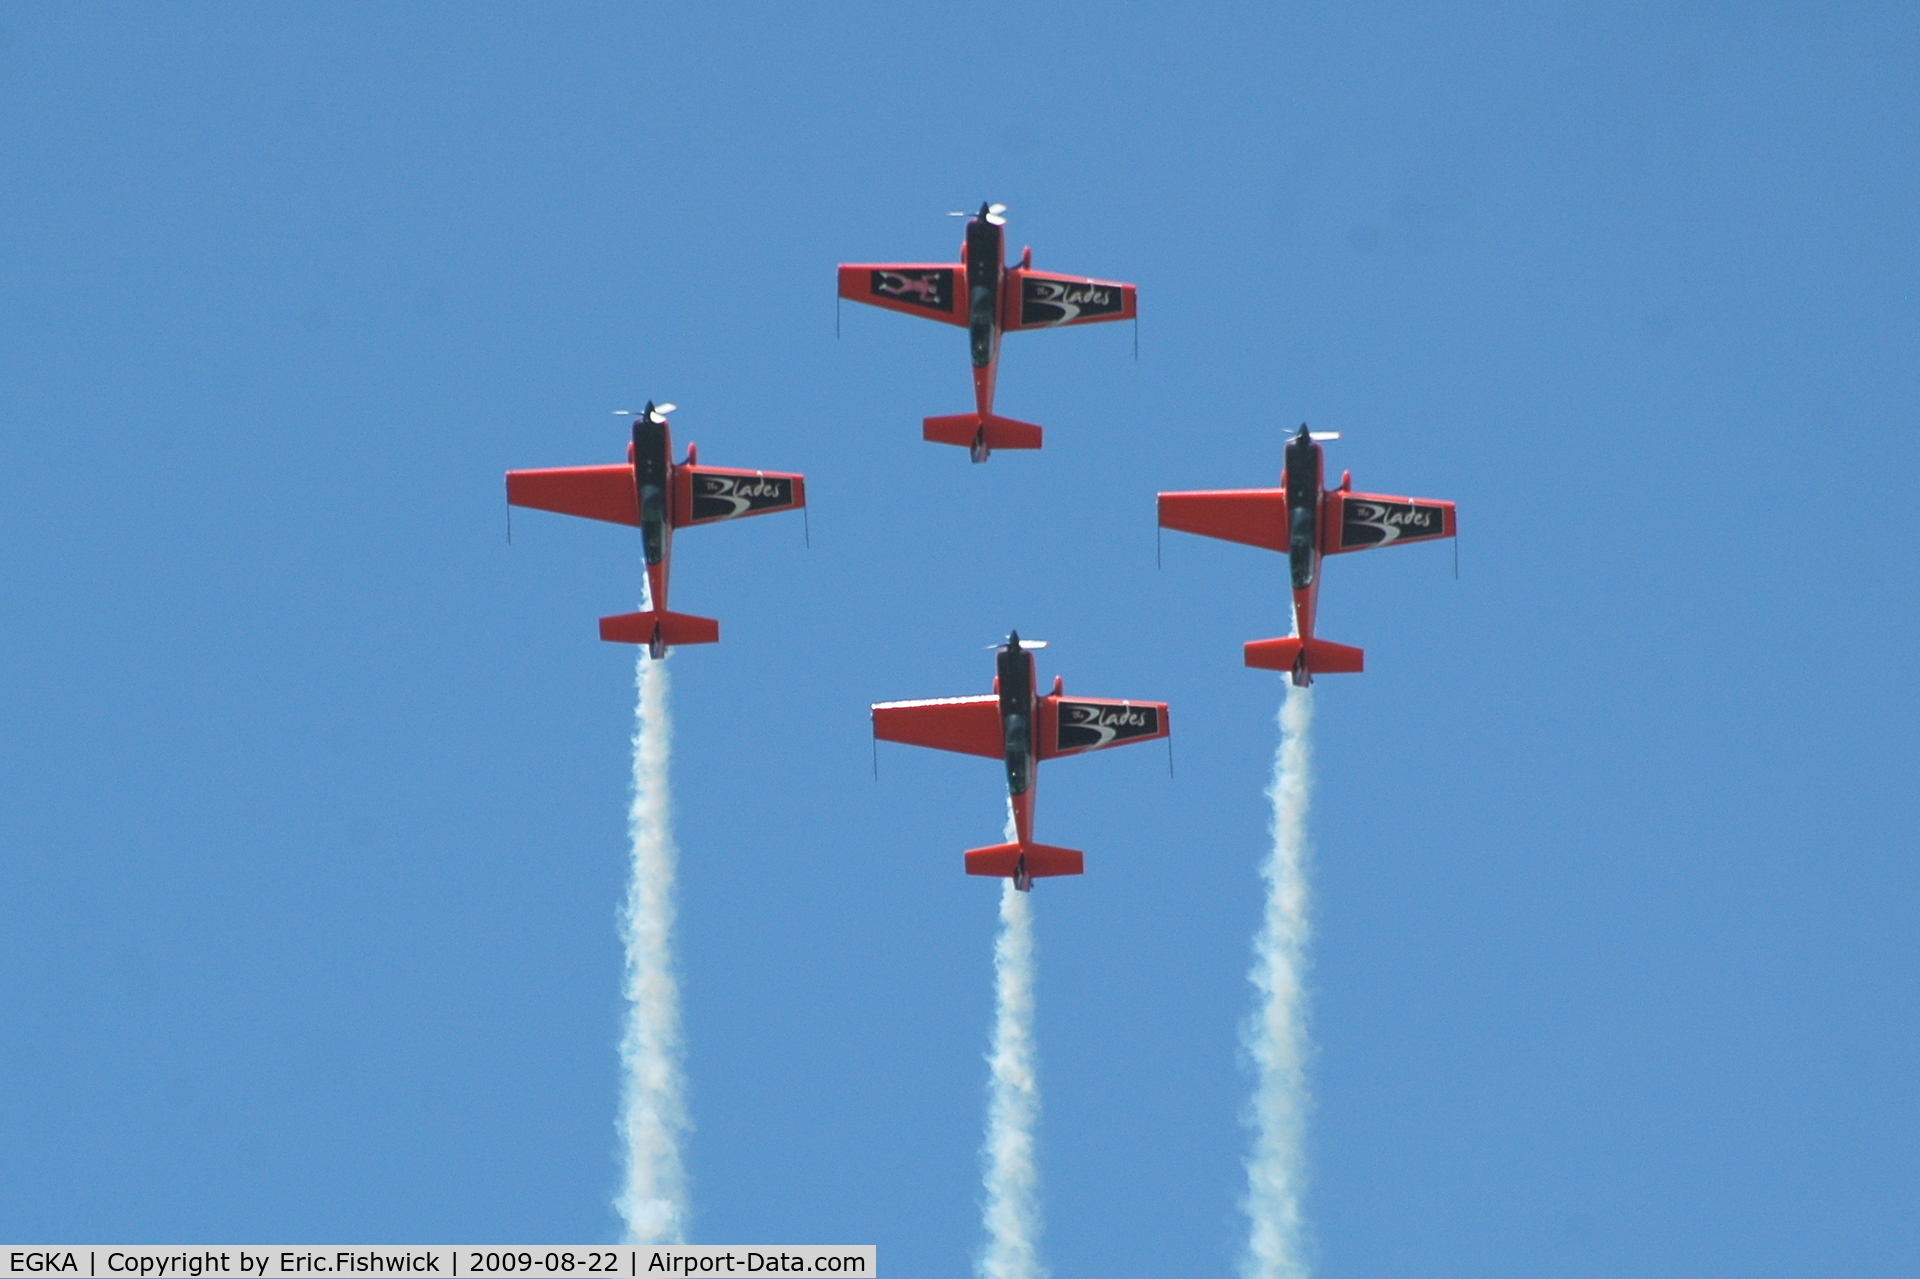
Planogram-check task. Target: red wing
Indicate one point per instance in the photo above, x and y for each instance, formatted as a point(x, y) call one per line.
point(1362, 521)
point(1257, 517)
point(1076, 725)
point(936, 290)
point(970, 725)
point(705, 494)
point(1042, 300)
point(595, 492)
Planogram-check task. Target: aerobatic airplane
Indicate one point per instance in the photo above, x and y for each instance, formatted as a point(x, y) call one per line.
point(658, 497)
point(1014, 724)
point(1307, 520)
point(987, 298)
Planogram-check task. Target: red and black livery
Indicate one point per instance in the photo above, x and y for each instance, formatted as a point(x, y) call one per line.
point(987, 298)
point(1306, 520)
point(1021, 728)
point(653, 494)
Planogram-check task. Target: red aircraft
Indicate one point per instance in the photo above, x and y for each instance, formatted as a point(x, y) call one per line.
point(1014, 724)
point(658, 497)
point(987, 298)
point(1306, 520)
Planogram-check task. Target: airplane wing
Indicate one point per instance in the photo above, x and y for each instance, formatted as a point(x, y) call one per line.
point(1047, 301)
point(1362, 521)
point(705, 494)
point(1257, 517)
point(595, 492)
point(1076, 725)
point(970, 725)
point(936, 290)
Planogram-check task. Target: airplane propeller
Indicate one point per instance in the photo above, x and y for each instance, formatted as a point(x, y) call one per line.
point(1320, 435)
point(996, 214)
point(1024, 643)
point(658, 410)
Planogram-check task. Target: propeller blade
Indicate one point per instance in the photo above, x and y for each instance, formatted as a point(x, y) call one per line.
point(1323, 435)
point(997, 214)
point(664, 409)
point(1024, 643)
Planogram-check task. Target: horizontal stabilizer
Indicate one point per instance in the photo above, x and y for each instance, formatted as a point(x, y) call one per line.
point(668, 629)
point(1042, 860)
point(1308, 657)
point(970, 430)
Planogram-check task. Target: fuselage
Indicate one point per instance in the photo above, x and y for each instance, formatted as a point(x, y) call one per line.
point(984, 257)
point(652, 458)
point(1017, 714)
point(1301, 480)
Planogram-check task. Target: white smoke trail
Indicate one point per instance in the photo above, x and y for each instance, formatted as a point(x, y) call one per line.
point(1276, 1035)
point(653, 1107)
point(1012, 1179)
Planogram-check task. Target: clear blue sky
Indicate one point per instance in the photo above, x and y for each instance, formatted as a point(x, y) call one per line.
point(312, 789)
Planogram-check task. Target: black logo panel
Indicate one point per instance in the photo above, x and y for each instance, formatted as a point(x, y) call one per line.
point(721, 497)
point(932, 288)
point(1064, 301)
point(1364, 522)
point(1091, 725)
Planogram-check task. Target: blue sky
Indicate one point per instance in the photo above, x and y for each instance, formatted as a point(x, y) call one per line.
point(312, 789)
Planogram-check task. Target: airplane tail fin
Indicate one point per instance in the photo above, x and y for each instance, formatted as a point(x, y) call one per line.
point(1305, 658)
point(660, 631)
point(1024, 863)
point(980, 434)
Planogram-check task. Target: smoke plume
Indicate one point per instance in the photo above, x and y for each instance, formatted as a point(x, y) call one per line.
point(653, 1111)
point(1012, 1180)
point(1276, 1035)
